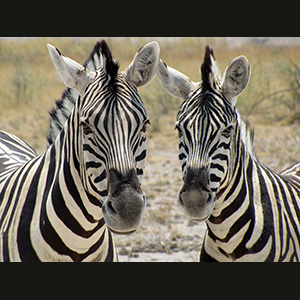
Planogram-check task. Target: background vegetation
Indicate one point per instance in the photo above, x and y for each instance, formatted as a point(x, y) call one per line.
point(29, 83)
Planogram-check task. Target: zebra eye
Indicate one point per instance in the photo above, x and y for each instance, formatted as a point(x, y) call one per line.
point(86, 128)
point(227, 131)
point(144, 128)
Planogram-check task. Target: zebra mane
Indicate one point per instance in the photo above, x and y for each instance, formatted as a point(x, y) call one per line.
point(247, 136)
point(99, 57)
point(111, 64)
point(210, 72)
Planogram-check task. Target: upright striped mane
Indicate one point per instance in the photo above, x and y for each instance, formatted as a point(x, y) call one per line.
point(99, 56)
point(210, 72)
point(95, 60)
point(247, 136)
point(111, 64)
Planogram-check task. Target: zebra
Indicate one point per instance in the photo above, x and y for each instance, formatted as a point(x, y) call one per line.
point(251, 212)
point(64, 204)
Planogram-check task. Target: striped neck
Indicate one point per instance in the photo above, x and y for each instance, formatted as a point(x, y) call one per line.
point(68, 164)
point(241, 151)
point(238, 205)
point(69, 221)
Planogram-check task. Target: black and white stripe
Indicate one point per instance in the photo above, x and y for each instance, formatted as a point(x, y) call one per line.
point(252, 213)
point(63, 204)
point(13, 153)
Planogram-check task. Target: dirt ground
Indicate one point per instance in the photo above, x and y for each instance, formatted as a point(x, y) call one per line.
point(166, 234)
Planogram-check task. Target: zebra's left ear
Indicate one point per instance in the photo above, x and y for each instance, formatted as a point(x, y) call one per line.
point(144, 65)
point(72, 73)
point(236, 78)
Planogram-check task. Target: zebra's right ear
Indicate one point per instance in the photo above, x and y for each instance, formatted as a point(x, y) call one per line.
point(144, 65)
point(176, 83)
point(72, 73)
point(236, 78)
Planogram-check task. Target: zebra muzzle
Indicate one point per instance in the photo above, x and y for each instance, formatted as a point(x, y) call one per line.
point(123, 208)
point(196, 197)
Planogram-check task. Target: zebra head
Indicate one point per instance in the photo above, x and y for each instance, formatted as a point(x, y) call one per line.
point(111, 127)
point(207, 126)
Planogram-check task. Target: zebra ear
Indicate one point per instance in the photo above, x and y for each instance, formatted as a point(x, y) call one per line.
point(144, 65)
point(72, 73)
point(176, 83)
point(236, 78)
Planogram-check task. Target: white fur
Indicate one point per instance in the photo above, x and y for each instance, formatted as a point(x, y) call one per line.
point(144, 65)
point(72, 73)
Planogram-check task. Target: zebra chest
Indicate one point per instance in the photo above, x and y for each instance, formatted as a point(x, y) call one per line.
point(236, 225)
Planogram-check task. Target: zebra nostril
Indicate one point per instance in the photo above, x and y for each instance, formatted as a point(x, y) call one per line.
point(180, 200)
point(209, 198)
point(110, 208)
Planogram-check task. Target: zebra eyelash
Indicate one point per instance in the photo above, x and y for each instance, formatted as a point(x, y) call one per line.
point(227, 131)
point(144, 128)
point(86, 128)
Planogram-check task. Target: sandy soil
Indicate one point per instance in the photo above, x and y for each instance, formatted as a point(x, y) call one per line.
point(166, 234)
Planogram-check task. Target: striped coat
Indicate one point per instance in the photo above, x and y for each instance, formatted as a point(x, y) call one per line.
point(251, 212)
point(63, 204)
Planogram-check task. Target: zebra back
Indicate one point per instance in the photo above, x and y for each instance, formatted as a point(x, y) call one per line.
point(64, 106)
point(13, 153)
point(292, 174)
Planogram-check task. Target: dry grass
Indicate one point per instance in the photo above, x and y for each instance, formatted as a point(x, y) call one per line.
point(29, 83)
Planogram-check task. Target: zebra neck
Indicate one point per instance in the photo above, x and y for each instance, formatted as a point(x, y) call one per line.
point(68, 183)
point(241, 152)
point(67, 212)
point(236, 180)
point(68, 225)
point(237, 204)
point(241, 161)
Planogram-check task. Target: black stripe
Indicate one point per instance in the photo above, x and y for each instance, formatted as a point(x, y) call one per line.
point(26, 251)
point(217, 166)
point(101, 177)
point(214, 178)
point(110, 252)
point(139, 171)
point(10, 203)
point(73, 190)
point(181, 156)
point(221, 157)
point(230, 209)
point(268, 225)
point(141, 156)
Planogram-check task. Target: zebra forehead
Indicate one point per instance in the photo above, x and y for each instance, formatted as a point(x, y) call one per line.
point(117, 104)
point(209, 105)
